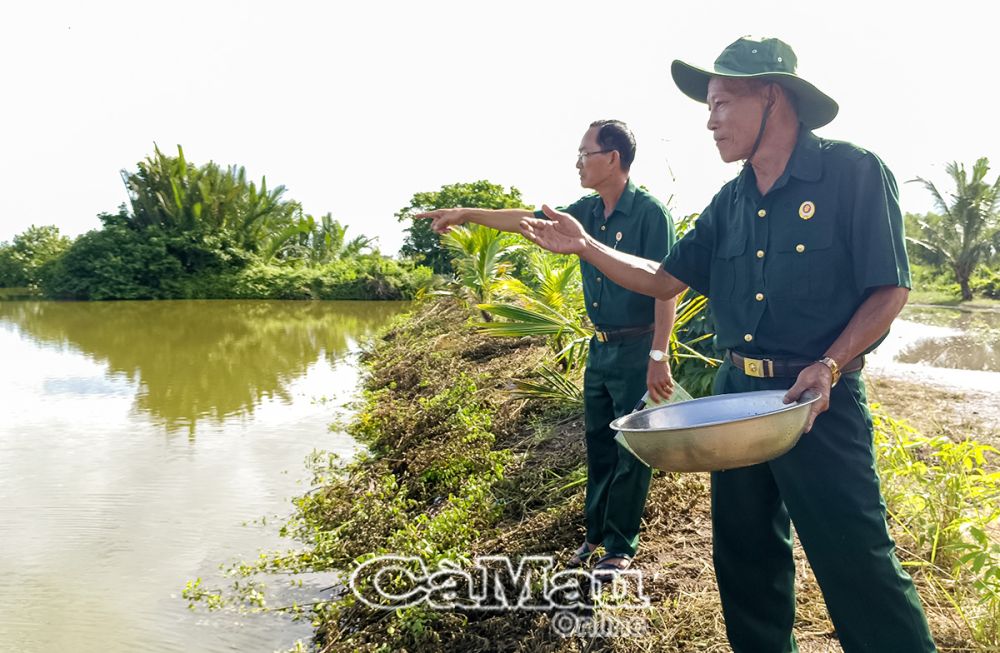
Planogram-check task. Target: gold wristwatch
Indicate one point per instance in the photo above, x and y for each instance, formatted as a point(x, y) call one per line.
point(834, 369)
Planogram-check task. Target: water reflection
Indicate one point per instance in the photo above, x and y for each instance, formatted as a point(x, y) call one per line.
point(195, 360)
point(104, 515)
point(964, 319)
point(953, 338)
point(963, 352)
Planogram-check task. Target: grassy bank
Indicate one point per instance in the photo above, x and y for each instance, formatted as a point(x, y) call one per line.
point(457, 468)
point(946, 298)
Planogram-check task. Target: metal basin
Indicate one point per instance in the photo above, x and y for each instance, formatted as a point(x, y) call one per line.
point(714, 433)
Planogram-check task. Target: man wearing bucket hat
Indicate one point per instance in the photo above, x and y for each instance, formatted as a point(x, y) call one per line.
point(627, 355)
point(803, 260)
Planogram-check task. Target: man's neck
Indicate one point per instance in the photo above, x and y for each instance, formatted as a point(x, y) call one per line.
point(610, 192)
point(771, 158)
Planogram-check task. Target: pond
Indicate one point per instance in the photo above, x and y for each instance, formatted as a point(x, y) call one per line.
point(951, 347)
point(143, 444)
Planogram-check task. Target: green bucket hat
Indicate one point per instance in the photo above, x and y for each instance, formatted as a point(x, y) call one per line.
point(768, 59)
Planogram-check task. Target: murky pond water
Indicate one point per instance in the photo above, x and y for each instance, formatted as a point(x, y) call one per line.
point(137, 440)
point(954, 347)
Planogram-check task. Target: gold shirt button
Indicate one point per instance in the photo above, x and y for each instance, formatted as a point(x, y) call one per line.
point(800, 248)
point(759, 296)
point(760, 253)
point(748, 337)
point(761, 213)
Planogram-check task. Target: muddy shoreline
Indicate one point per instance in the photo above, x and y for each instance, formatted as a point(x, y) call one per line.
point(933, 410)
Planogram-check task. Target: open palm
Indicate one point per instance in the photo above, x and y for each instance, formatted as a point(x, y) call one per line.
point(561, 233)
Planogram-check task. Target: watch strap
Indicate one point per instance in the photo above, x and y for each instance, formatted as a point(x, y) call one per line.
point(834, 369)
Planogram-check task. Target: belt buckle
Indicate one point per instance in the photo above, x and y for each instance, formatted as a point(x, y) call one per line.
point(761, 368)
point(601, 336)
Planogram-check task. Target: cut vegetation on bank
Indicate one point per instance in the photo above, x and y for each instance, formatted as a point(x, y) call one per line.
point(458, 468)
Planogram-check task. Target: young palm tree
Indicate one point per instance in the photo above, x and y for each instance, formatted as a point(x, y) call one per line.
point(313, 241)
point(547, 302)
point(550, 303)
point(481, 259)
point(966, 231)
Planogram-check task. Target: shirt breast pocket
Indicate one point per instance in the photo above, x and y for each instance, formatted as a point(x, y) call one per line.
point(804, 265)
point(726, 281)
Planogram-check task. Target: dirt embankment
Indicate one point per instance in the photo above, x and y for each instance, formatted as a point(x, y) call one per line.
point(957, 414)
point(536, 508)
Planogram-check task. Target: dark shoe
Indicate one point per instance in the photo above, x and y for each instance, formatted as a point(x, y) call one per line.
point(610, 565)
point(581, 556)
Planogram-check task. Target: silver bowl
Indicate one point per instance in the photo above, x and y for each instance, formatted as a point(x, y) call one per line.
point(714, 433)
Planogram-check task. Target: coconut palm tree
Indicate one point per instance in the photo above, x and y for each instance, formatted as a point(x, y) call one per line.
point(965, 233)
point(481, 259)
point(545, 299)
point(549, 302)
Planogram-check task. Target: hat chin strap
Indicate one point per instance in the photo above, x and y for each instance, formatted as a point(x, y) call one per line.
point(763, 126)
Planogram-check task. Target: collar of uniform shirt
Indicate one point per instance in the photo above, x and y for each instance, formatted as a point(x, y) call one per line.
point(624, 205)
point(806, 163)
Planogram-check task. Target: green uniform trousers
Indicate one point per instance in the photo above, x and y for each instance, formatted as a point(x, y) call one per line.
point(827, 484)
point(617, 482)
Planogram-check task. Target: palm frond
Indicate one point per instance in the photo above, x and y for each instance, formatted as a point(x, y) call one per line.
point(551, 385)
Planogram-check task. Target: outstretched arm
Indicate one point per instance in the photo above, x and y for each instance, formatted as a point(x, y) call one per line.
point(442, 220)
point(562, 234)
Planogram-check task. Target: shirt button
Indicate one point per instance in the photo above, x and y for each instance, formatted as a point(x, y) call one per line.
point(759, 296)
point(603, 227)
point(761, 213)
point(760, 253)
point(748, 337)
point(598, 280)
point(594, 304)
point(800, 248)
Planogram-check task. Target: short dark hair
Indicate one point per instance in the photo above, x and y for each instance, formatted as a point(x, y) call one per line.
point(615, 135)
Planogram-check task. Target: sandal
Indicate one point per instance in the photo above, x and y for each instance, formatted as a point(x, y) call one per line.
point(605, 569)
point(581, 556)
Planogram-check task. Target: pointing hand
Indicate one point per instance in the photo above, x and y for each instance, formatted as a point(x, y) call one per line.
point(442, 220)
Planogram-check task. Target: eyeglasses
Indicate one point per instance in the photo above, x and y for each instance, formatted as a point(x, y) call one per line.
point(583, 155)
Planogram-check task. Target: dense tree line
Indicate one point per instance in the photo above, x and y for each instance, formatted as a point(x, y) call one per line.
point(206, 232)
point(210, 232)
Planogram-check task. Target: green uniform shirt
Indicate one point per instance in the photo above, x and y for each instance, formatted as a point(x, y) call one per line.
point(785, 272)
point(639, 225)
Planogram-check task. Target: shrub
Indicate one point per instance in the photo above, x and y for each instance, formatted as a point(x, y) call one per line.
point(115, 263)
point(986, 283)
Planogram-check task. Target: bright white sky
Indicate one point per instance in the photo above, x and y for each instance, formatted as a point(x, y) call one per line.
point(356, 106)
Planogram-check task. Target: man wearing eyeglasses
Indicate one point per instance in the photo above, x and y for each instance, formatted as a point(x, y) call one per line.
point(628, 351)
point(802, 256)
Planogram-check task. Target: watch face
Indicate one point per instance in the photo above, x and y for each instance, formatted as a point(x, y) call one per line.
point(656, 355)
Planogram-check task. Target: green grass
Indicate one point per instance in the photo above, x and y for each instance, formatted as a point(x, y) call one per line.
point(944, 298)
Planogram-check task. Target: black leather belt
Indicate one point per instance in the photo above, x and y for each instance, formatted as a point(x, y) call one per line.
point(766, 368)
point(612, 335)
